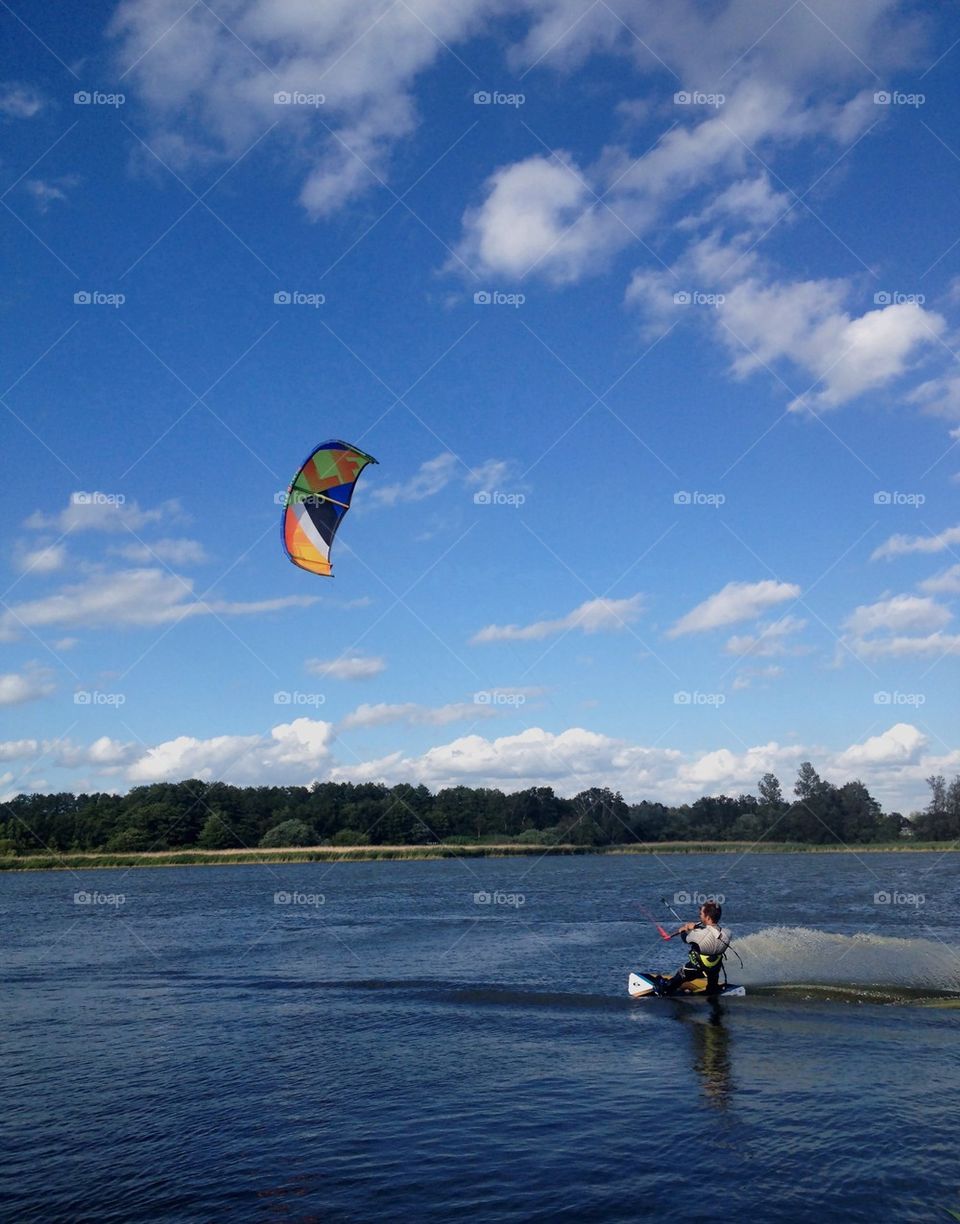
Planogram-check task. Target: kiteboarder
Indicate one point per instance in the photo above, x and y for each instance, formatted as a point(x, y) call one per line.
point(707, 942)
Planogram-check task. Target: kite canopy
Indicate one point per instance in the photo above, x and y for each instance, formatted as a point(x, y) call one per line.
point(317, 499)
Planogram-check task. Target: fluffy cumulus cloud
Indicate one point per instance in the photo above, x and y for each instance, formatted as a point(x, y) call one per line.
point(900, 745)
point(135, 598)
point(290, 752)
point(593, 616)
point(19, 687)
point(538, 213)
point(899, 614)
point(899, 627)
point(840, 356)
point(209, 80)
point(893, 764)
point(738, 601)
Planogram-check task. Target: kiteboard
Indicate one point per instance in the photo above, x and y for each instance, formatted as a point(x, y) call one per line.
point(642, 985)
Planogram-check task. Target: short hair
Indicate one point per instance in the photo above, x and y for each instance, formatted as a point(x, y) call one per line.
point(711, 910)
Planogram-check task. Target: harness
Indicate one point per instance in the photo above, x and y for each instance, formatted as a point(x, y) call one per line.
point(709, 965)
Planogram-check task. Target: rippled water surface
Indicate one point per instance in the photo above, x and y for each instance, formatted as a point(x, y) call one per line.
point(432, 1040)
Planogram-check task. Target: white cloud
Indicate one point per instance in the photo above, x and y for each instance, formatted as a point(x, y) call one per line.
point(17, 688)
point(347, 667)
point(768, 641)
point(45, 560)
point(749, 201)
point(436, 474)
point(431, 477)
point(939, 395)
point(945, 583)
point(173, 551)
point(139, 597)
point(46, 192)
point(571, 761)
point(737, 601)
point(96, 511)
point(901, 545)
point(593, 616)
point(725, 771)
point(208, 82)
point(899, 745)
point(899, 614)
point(20, 101)
point(538, 212)
point(745, 678)
point(291, 752)
point(904, 646)
point(104, 753)
point(12, 750)
point(803, 322)
point(411, 714)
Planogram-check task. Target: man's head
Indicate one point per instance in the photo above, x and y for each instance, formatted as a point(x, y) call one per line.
point(710, 912)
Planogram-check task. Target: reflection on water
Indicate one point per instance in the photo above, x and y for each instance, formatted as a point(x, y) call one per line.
point(711, 1041)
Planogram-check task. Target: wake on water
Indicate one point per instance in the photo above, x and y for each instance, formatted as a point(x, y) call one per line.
point(797, 957)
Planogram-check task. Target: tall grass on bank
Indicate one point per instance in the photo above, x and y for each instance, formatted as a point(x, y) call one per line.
point(326, 854)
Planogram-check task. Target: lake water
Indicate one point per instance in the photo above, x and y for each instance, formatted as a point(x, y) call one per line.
point(437, 1040)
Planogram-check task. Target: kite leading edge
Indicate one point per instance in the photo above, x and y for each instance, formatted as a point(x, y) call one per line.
point(317, 499)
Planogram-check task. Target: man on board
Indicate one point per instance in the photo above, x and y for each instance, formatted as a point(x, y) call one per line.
point(707, 941)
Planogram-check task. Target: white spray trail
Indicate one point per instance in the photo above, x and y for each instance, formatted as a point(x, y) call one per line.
point(802, 955)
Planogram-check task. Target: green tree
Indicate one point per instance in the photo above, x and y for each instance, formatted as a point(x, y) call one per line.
point(288, 833)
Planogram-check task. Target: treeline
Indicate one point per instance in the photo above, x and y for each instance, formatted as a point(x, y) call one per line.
point(215, 816)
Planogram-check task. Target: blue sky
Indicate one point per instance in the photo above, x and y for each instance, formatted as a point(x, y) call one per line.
point(672, 504)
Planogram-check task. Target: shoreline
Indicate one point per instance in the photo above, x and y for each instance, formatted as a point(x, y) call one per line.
point(105, 860)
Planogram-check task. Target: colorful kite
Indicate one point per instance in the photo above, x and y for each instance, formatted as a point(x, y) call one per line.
point(317, 499)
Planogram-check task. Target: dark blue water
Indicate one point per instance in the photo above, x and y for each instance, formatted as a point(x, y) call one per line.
point(383, 1045)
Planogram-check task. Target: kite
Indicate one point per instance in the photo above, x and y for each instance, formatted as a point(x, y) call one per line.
point(317, 499)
